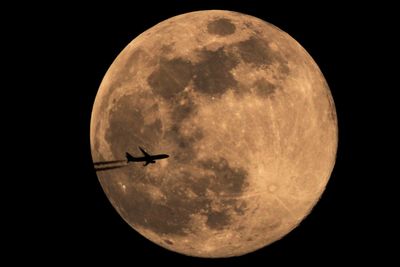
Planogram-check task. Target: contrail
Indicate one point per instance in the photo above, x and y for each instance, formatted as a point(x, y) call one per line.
point(109, 167)
point(108, 162)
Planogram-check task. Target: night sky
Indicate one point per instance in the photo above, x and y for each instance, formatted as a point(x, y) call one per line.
point(69, 218)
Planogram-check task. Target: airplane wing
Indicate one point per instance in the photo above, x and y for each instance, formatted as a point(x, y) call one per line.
point(144, 152)
point(147, 163)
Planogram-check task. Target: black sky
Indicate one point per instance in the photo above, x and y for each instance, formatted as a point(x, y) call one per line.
point(70, 48)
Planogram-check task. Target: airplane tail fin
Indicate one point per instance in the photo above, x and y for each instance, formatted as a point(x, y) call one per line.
point(129, 157)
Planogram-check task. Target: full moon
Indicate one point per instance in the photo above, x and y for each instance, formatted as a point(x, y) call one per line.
point(247, 119)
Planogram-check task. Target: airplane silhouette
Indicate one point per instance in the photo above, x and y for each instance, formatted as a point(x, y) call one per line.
point(147, 158)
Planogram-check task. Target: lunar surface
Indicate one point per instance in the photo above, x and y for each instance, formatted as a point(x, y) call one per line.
point(247, 119)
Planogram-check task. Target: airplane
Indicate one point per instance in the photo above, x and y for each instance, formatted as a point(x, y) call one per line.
point(147, 158)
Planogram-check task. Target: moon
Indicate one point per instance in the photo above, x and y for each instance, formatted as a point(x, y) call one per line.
point(248, 121)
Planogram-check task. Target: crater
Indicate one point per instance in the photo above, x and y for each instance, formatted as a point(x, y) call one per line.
point(272, 188)
point(169, 242)
point(221, 27)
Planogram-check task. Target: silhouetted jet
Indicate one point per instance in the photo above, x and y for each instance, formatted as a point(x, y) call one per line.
point(147, 158)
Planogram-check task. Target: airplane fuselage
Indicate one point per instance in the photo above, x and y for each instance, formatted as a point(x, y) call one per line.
point(151, 158)
point(147, 157)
